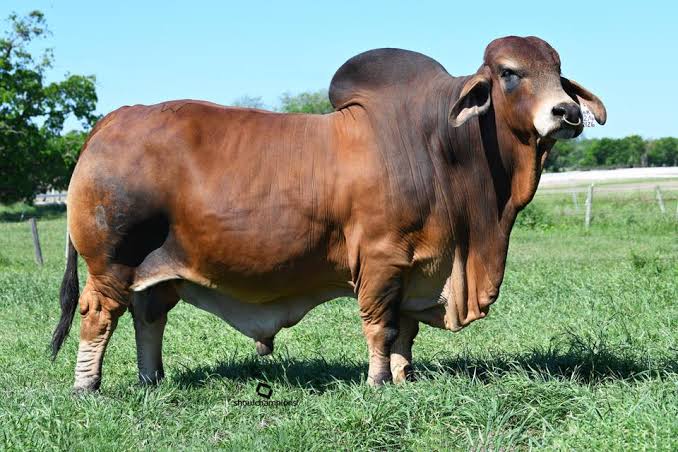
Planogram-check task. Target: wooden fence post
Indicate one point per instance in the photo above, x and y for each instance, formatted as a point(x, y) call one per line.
point(589, 206)
point(660, 200)
point(36, 241)
point(575, 201)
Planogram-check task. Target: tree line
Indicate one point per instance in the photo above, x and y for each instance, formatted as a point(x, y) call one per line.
point(36, 155)
point(631, 151)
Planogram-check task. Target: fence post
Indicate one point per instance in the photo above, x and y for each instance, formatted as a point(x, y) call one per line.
point(575, 201)
point(660, 200)
point(589, 206)
point(36, 241)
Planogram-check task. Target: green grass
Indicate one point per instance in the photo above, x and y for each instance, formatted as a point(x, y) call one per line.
point(580, 352)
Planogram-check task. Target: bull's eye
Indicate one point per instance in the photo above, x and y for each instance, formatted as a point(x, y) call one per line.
point(510, 78)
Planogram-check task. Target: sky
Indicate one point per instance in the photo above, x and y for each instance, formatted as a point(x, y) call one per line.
point(150, 51)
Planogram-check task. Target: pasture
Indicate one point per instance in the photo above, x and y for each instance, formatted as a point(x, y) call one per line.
point(579, 352)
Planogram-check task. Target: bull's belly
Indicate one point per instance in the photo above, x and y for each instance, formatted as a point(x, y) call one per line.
point(264, 320)
point(259, 310)
point(256, 320)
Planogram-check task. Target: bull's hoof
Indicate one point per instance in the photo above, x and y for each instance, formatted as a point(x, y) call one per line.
point(264, 346)
point(86, 385)
point(403, 374)
point(379, 379)
point(151, 379)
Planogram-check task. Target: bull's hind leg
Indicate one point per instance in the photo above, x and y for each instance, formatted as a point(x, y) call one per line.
point(102, 302)
point(401, 350)
point(149, 309)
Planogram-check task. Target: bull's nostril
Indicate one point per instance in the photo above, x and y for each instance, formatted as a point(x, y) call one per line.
point(570, 112)
point(558, 111)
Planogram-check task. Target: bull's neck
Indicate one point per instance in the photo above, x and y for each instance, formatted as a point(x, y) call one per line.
point(492, 174)
point(515, 165)
point(484, 150)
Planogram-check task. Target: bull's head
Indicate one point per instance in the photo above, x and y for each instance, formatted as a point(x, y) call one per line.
point(521, 78)
point(524, 105)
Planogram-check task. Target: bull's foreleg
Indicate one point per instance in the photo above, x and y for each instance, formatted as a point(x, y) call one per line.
point(149, 309)
point(102, 302)
point(401, 350)
point(379, 299)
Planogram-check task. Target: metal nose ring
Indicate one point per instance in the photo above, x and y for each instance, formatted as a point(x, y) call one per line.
point(572, 123)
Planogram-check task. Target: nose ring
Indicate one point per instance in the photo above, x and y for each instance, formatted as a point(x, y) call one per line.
point(572, 123)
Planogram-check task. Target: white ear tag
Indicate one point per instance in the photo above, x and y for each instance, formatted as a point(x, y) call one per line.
point(589, 119)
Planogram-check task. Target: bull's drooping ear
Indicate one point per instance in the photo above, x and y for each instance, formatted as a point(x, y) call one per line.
point(474, 100)
point(586, 98)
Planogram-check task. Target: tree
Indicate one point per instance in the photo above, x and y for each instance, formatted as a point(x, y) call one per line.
point(63, 150)
point(663, 152)
point(307, 102)
point(559, 158)
point(630, 151)
point(249, 102)
point(33, 154)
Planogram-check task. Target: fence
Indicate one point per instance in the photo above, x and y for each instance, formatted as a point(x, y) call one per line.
point(637, 202)
point(53, 197)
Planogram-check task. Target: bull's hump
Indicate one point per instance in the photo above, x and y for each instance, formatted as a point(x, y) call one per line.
point(373, 72)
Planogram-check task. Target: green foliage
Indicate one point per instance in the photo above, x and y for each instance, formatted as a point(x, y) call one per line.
point(249, 102)
point(534, 217)
point(631, 151)
point(33, 155)
point(663, 152)
point(312, 102)
point(649, 265)
point(63, 150)
point(307, 102)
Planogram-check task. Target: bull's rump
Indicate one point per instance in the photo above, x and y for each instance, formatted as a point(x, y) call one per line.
point(235, 199)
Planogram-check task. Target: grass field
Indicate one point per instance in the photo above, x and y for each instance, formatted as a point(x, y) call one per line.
point(580, 352)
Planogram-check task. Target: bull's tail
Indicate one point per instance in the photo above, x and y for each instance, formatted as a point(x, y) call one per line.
point(69, 294)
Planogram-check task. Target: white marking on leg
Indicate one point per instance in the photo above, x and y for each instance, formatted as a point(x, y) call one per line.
point(88, 366)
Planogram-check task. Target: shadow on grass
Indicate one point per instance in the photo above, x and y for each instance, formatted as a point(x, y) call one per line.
point(315, 373)
point(581, 361)
point(583, 366)
point(22, 212)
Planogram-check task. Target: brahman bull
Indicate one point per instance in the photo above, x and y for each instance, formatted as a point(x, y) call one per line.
point(403, 197)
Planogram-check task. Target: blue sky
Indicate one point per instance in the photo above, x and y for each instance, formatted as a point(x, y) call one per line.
point(150, 51)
